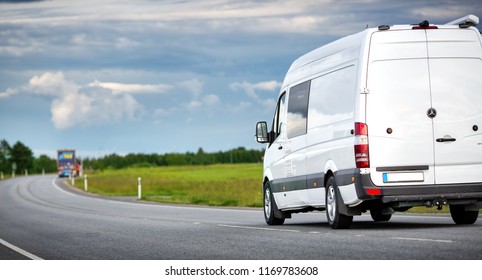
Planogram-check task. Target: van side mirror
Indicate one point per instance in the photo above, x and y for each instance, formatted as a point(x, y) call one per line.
point(262, 132)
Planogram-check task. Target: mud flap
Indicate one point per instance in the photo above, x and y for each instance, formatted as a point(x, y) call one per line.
point(345, 210)
point(280, 214)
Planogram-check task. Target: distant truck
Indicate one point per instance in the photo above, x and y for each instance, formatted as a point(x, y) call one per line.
point(66, 163)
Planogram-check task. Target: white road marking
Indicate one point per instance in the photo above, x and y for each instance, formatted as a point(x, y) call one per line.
point(20, 250)
point(423, 239)
point(259, 228)
point(60, 189)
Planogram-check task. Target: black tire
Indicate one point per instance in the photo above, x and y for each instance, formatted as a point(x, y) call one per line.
point(335, 219)
point(461, 216)
point(270, 208)
point(377, 216)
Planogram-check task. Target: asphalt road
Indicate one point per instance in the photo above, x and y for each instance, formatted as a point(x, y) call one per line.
point(41, 218)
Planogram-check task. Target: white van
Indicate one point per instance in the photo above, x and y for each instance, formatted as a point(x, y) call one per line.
point(383, 120)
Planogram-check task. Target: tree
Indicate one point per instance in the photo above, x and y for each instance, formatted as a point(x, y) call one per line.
point(5, 151)
point(22, 156)
point(46, 164)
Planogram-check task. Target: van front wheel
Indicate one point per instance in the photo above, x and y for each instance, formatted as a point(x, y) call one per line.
point(270, 208)
point(335, 219)
point(461, 216)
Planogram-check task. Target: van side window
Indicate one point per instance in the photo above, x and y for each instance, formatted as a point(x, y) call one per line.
point(279, 115)
point(324, 109)
point(298, 109)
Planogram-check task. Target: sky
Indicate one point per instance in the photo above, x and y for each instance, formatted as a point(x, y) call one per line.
point(145, 76)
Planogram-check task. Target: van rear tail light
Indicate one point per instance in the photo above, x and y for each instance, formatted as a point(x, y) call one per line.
point(362, 158)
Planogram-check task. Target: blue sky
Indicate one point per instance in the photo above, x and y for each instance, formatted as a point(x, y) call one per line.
point(144, 76)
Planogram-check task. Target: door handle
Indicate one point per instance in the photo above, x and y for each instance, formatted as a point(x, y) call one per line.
point(280, 147)
point(446, 139)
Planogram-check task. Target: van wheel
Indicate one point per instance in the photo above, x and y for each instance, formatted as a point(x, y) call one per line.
point(378, 217)
point(335, 219)
point(461, 216)
point(270, 208)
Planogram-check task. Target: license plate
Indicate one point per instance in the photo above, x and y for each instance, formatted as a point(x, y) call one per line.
point(397, 177)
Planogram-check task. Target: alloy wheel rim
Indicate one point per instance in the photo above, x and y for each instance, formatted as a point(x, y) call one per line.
point(331, 203)
point(267, 203)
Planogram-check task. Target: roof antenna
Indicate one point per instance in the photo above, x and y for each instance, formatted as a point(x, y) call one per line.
point(367, 26)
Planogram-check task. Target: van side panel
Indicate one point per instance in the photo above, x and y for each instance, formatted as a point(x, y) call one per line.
point(331, 114)
point(331, 75)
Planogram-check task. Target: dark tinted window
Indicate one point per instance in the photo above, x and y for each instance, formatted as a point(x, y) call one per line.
point(298, 109)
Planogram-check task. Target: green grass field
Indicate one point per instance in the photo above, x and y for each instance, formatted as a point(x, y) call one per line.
point(217, 185)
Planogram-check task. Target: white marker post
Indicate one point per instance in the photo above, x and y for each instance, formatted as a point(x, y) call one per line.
point(139, 188)
point(86, 186)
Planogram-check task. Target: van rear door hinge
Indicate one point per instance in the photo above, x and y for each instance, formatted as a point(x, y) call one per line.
point(364, 90)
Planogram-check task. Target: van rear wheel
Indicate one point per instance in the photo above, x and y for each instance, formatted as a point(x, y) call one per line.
point(377, 216)
point(335, 219)
point(270, 208)
point(462, 216)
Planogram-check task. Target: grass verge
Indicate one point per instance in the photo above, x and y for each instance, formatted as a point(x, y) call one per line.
point(217, 185)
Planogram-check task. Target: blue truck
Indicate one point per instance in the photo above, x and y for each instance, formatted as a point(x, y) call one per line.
point(66, 163)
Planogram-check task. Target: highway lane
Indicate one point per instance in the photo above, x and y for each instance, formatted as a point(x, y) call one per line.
point(49, 221)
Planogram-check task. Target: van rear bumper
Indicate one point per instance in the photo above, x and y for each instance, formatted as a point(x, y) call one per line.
point(429, 197)
point(405, 193)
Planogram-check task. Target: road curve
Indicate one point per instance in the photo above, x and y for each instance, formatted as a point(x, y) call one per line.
point(41, 218)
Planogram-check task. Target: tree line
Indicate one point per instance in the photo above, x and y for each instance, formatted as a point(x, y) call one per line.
point(19, 157)
point(114, 161)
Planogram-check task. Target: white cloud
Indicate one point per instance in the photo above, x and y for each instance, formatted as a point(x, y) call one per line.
point(268, 85)
point(194, 104)
point(79, 39)
point(71, 106)
point(193, 85)
point(18, 44)
point(9, 92)
point(252, 90)
point(124, 42)
point(51, 84)
point(211, 100)
point(119, 88)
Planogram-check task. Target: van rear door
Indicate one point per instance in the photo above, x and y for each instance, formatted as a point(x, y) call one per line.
point(400, 132)
point(424, 107)
point(455, 61)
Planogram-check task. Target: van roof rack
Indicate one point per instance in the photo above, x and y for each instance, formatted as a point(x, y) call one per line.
point(469, 20)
